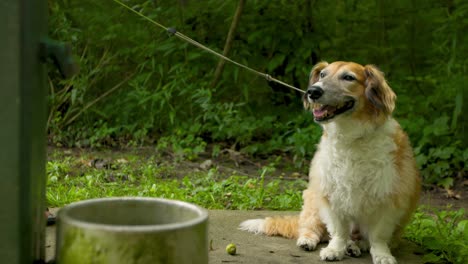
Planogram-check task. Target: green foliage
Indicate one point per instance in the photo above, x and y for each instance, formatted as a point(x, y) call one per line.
point(438, 162)
point(443, 234)
point(68, 182)
point(139, 86)
point(183, 144)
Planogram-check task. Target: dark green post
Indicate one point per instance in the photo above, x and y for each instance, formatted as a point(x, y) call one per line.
point(22, 131)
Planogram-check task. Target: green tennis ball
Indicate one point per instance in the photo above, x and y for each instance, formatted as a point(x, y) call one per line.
point(231, 249)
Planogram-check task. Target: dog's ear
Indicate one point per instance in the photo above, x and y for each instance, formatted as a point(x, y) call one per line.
point(378, 92)
point(315, 72)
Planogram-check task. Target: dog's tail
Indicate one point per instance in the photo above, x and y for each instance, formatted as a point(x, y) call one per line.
point(285, 226)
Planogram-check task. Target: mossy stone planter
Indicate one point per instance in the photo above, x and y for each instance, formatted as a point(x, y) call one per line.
point(132, 230)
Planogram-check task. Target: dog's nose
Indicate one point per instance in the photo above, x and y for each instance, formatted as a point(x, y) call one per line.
point(314, 92)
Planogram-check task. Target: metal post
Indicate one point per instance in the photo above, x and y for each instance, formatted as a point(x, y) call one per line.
point(22, 131)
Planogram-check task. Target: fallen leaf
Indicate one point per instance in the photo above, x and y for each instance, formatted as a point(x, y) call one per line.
point(211, 245)
point(122, 161)
point(296, 175)
point(101, 163)
point(206, 165)
point(453, 194)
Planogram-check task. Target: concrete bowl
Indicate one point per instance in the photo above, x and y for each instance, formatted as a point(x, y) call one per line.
point(132, 230)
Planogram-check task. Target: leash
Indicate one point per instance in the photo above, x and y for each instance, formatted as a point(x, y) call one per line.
point(174, 32)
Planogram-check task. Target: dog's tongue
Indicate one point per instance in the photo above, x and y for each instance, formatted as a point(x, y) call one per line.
point(322, 111)
point(319, 113)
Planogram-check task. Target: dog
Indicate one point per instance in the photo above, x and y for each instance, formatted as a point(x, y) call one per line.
point(364, 184)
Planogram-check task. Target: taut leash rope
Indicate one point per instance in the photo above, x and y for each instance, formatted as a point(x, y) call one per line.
point(174, 32)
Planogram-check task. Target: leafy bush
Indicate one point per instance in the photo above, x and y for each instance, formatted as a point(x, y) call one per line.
point(439, 161)
point(444, 235)
point(138, 85)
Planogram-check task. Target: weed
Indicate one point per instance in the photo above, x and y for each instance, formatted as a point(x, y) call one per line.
point(442, 233)
point(183, 145)
point(438, 162)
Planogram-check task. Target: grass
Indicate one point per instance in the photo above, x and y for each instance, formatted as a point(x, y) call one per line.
point(73, 179)
point(442, 234)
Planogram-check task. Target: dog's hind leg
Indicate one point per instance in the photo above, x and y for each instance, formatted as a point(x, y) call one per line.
point(358, 243)
point(353, 249)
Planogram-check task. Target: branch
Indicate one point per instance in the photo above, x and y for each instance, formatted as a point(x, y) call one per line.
point(228, 44)
point(105, 94)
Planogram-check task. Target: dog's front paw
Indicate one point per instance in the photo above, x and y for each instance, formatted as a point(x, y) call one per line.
point(331, 254)
point(307, 244)
point(352, 249)
point(384, 259)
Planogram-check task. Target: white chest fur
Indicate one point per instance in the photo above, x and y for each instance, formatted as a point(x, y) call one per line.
point(356, 165)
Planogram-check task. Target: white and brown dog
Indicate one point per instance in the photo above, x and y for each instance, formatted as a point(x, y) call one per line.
point(363, 180)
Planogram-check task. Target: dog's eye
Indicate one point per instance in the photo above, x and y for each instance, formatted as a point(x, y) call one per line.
point(349, 78)
point(322, 75)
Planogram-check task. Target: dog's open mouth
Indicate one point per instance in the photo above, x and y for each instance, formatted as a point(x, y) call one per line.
point(326, 112)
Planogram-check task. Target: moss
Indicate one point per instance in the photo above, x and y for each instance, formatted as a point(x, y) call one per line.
point(82, 247)
point(78, 248)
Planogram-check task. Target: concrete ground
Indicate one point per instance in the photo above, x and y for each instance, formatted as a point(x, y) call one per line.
point(258, 248)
